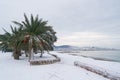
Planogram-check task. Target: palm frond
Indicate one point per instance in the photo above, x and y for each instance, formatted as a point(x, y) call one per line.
point(17, 23)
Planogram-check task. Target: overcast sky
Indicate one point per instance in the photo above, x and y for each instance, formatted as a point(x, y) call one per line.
point(77, 22)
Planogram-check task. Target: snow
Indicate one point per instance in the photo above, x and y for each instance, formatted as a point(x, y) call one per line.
point(11, 69)
point(101, 71)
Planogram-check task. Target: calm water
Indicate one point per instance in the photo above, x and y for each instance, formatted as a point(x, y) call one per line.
point(105, 55)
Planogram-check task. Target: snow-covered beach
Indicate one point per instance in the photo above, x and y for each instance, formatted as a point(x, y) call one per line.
point(65, 70)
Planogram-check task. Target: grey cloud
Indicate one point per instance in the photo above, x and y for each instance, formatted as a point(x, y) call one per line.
point(66, 16)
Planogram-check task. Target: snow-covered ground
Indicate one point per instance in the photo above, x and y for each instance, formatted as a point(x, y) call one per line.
point(11, 69)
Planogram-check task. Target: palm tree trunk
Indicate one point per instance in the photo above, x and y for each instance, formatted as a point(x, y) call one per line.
point(26, 53)
point(42, 52)
point(29, 56)
point(16, 54)
point(32, 54)
point(30, 49)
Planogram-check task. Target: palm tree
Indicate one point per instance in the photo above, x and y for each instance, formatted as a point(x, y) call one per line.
point(4, 41)
point(16, 41)
point(12, 40)
point(30, 35)
point(37, 32)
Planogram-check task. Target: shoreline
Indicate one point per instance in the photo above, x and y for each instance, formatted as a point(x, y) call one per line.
point(95, 58)
point(103, 59)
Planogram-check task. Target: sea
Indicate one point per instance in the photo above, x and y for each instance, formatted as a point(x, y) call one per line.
point(100, 55)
